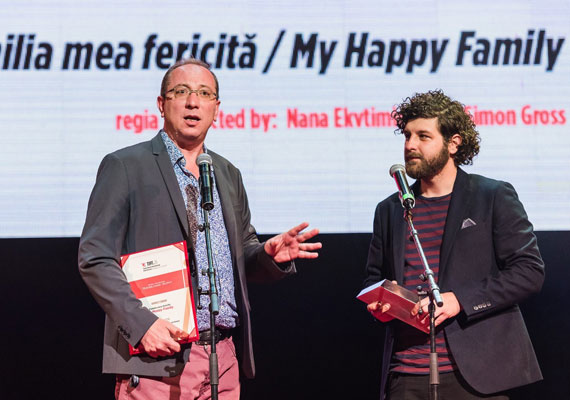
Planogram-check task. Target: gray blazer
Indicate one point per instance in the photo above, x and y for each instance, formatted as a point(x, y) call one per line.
point(136, 205)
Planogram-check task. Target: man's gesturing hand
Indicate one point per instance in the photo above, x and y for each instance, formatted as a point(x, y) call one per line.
point(290, 245)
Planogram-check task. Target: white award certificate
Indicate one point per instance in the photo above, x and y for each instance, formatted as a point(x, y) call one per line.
point(160, 279)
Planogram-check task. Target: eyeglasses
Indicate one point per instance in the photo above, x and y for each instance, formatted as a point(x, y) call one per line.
point(183, 91)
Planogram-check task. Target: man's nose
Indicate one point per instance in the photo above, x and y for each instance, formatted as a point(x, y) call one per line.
point(192, 100)
point(411, 143)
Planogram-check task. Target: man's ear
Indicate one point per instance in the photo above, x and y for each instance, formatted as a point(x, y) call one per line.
point(216, 112)
point(454, 143)
point(160, 105)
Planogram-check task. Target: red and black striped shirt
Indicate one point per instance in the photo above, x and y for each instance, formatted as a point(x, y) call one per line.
point(411, 348)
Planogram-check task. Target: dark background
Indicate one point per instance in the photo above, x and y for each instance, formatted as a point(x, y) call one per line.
point(313, 339)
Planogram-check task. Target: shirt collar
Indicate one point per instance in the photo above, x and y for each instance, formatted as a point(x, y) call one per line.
point(173, 151)
point(176, 156)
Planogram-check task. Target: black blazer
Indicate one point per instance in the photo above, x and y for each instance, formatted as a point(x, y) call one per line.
point(490, 266)
point(136, 205)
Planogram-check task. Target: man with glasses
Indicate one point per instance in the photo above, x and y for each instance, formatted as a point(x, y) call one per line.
point(147, 196)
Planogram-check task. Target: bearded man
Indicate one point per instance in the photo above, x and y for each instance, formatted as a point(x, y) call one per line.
point(484, 254)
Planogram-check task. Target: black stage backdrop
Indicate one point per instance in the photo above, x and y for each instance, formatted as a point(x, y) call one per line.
point(313, 339)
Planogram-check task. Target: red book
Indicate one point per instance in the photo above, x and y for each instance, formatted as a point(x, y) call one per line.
point(401, 301)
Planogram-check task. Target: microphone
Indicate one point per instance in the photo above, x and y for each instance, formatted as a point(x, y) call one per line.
point(398, 172)
point(204, 162)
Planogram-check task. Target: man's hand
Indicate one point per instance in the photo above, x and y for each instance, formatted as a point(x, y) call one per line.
point(290, 245)
point(160, 339)
point(450, 309)
point(379, 311)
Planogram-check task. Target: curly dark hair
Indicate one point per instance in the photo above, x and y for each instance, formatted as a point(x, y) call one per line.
point(451, 119)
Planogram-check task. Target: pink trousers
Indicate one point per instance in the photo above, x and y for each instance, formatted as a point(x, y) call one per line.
point(194, 381)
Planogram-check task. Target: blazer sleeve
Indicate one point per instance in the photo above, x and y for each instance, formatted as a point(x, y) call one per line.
point(520, 269)
point(100, 249)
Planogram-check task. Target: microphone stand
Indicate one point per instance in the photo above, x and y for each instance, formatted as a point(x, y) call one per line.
point(434, 297)
point(214, 305)
point(204, 162)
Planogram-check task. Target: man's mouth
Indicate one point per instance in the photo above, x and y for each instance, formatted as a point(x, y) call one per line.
point(192, 120)
point(412, 157)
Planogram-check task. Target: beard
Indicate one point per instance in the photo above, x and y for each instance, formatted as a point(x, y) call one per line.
point(427, 169)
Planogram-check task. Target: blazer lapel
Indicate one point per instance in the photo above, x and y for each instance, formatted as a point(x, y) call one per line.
point(399, 235)
point(460, 203)
point(223, 182)
point(165, 166)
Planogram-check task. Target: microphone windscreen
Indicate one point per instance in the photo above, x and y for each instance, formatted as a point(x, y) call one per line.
point(395, 168)
point(204, 158)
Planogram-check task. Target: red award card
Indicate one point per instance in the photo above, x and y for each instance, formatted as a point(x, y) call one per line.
point(160, 279)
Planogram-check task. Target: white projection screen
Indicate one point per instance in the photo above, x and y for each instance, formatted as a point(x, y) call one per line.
point(306, 90)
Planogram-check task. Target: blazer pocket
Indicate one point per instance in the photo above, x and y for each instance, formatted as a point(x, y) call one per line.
point(468, 230)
